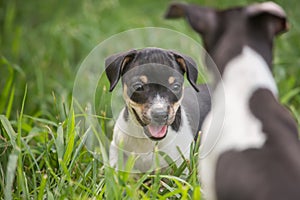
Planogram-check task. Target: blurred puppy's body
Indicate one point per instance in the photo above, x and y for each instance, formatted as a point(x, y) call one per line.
point(250, 148)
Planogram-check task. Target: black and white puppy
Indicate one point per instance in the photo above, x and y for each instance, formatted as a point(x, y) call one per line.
point(250, 148)
point(155, 117)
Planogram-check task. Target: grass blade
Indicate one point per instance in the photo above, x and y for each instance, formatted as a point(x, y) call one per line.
point(289, 95)
point(9, 130)
point(20, 177)
point(10, 175)
point(70, 140)
point(8, 84)
point(59, 142)
point(10, 102)
point(42, 187)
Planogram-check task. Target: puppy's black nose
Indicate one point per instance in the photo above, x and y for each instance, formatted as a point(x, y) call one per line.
point(159, 115)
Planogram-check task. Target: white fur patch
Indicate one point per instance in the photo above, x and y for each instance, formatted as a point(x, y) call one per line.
point(230, 125)
point(159, 102)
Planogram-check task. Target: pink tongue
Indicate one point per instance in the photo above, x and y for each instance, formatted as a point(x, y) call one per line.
point(157, 131)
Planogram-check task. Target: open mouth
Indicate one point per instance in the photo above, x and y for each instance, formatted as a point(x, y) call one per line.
point(153, 131)
point(156, 132)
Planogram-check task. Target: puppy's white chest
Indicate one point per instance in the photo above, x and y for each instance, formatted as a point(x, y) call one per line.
point(132, 141)
point(231, 124)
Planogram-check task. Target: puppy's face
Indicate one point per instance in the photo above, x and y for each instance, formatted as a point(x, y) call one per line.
point(153, 87)
point(153, 93)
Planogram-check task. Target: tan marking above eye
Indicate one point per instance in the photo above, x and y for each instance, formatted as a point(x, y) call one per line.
point(144, 79)
point(171, 79)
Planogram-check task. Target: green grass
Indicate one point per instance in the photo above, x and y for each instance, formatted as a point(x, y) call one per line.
point(42, 44)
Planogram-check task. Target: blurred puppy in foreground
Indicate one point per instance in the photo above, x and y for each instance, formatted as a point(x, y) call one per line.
point(250, 148)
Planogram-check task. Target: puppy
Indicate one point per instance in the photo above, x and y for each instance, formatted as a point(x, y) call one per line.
point(250, 148)
point(155, 117)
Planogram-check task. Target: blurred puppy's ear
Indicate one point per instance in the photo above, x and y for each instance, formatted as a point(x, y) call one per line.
point(201, 19)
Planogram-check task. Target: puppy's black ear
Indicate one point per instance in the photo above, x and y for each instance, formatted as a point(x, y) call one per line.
point(114, 66)
point(189, 66)
point(202, 19)
point(269, 13)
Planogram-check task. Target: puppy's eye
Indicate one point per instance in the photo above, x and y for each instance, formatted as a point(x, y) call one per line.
point(138, 87)
point(176, 87)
